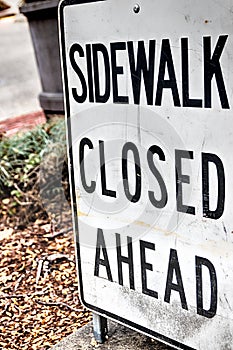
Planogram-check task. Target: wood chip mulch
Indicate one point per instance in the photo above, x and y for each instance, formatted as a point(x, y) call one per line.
point(39, 303)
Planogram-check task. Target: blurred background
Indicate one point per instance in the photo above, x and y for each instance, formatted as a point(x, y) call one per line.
point(19, 78)
point(39, 303)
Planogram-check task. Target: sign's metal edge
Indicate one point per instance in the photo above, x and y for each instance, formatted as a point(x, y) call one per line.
point(130, 324)
point(136, 327)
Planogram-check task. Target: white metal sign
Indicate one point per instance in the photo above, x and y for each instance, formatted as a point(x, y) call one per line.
point(149, 98)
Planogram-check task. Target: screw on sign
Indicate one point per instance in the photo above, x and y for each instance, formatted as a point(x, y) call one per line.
point(148, 101)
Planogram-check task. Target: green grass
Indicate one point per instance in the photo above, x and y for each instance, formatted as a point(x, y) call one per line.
point(20, 160)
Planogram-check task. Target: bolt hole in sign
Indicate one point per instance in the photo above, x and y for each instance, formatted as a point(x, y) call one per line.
point(149, 97)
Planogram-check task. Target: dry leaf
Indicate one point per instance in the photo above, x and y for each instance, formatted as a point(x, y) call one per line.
point(6, 233)
point(6, 201)
point(34, 326)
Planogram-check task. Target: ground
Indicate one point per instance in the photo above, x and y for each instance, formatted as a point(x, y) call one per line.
point(39, 303)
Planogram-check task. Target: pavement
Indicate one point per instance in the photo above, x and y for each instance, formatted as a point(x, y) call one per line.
point(19, 78)
point(119, 338)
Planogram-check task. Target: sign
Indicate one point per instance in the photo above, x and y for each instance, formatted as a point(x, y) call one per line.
point(149, 98)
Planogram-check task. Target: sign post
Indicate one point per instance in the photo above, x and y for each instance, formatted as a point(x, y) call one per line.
point(149, 98)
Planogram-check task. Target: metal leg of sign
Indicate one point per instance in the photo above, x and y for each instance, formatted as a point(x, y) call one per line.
point(100, 328)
